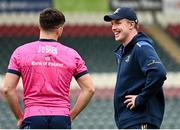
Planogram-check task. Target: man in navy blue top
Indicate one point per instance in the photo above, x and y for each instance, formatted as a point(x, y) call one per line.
point(138, 97)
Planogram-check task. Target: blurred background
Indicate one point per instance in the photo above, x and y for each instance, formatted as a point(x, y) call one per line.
point(86, 32)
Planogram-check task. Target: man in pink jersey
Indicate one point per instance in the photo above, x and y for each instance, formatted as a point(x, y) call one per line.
point(47, 68)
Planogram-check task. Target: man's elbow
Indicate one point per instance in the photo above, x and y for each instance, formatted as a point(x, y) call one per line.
point(7, 90)
point(162, 74)
point(91, 90)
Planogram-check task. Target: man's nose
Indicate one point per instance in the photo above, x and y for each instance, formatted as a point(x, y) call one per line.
point(113, 27)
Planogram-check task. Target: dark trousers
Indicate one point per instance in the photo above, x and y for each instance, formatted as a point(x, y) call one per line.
point(46, 122)
point(143, 126)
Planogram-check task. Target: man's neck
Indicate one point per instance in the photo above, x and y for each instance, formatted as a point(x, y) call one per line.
point(130, 37)
point(48, 35)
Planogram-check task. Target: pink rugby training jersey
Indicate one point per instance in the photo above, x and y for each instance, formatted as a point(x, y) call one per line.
point(46, 68)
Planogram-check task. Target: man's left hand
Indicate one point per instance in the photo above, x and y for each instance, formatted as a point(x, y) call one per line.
point(130, 101)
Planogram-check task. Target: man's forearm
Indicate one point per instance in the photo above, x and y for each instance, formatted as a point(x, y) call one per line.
point(13, 102)
point(81, 103)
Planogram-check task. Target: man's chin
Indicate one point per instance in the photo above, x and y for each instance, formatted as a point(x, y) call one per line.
point(117, 39)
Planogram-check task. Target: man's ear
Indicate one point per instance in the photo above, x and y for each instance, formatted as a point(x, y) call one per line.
point(39, 27)
point(60, 31)
point(132, 25)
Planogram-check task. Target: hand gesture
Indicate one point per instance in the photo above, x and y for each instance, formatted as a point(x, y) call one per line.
point(130, 101)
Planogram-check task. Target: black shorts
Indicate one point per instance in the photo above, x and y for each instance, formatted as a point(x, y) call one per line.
point(46, 122)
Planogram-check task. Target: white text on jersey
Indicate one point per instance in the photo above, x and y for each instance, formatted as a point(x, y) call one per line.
point(48, 49)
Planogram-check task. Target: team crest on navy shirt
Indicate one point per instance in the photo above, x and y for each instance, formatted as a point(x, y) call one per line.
point(127, 58)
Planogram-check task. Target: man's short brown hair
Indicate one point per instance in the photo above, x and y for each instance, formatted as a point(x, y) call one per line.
point(51, 19)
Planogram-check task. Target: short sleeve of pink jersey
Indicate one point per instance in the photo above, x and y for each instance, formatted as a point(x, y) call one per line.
point(13, 66)
point(81, 68)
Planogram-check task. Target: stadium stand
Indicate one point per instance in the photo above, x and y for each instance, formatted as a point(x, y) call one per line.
point(98, 40)
point(99, 113)
point(174, 31)
point(95, 44)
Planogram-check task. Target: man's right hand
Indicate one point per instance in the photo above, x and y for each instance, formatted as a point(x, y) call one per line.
point(19, 122)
